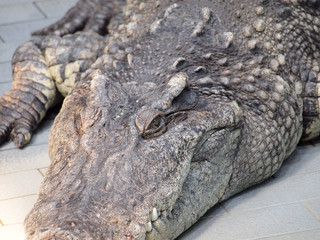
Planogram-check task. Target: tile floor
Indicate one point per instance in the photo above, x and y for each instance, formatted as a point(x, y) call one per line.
point(286, 207)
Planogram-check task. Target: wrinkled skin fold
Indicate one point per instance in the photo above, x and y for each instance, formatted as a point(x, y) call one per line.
point(183, 105)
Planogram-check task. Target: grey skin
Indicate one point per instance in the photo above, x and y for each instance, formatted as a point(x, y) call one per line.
point(184, 105)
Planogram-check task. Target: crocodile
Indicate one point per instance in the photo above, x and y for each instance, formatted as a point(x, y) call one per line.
point(183, 104)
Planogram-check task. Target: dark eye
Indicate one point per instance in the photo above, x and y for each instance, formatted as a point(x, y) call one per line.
point(150, 123)
point(155, 128)
point(155, 123)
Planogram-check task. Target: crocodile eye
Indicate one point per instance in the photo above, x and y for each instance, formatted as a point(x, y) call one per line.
point(156, 127)
point(155, 123)
point(150, 123)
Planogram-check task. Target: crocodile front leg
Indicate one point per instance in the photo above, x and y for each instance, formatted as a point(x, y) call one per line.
point(86, 15)
point(32, 93)
point(44, 69)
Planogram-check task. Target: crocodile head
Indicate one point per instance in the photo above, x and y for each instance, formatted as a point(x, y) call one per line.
point(134, 167)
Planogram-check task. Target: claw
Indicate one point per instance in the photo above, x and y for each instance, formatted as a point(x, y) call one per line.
point(21, 139)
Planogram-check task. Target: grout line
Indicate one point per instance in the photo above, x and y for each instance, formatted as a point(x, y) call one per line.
point(309, 210)
point(33, 21)
point(28, 146)
point(21, 22)
point(5, 62)
point(1, 223)
point(26, 170)
point(8, 61)
point(12, 198)
point(230, 211)
point(224, 208)
point(13, 224)
point(5, 82)
point(42, 174)
point(22, 170)
point(40, 10)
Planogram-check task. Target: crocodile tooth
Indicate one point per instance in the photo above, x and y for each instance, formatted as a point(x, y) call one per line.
point(154, 214)
point(170, 208)
point(164, 213)
point(149, 227)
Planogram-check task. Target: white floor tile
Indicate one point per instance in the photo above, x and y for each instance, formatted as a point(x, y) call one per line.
point(19, 184)
point(278, 191)
point(22, 31)
point(5, 72)
point(18, 13)
point(60, 7)
point(13, 211)
point(31, 157)
point(12, 232)
point(255, 224)
point(305, 235)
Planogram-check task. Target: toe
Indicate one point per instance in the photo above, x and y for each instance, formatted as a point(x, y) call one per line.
point(21, 134)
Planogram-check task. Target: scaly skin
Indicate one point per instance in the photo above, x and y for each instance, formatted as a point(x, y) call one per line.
point(47, 67)
point(189, 104)
point(42, 69)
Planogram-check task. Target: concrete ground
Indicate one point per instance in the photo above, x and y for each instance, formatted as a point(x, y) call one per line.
point(286, 207)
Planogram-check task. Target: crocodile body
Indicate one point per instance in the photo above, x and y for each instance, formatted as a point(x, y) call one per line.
point(185, 104)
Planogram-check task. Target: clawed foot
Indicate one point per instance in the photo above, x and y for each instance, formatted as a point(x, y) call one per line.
point(15, 123)
point(86, 15)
